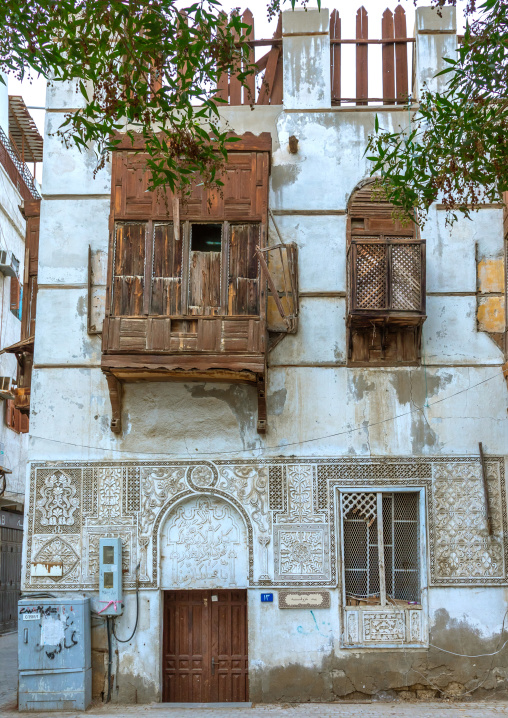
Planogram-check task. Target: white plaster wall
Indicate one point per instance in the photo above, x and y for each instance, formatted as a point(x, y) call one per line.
point(66, 170)
point(64, 260)
point(310, 392)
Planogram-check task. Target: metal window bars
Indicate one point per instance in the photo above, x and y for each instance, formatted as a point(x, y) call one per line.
point(381, 547)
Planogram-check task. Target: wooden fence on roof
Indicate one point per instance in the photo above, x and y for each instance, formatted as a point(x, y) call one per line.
point(266, 86)
point(394, 42)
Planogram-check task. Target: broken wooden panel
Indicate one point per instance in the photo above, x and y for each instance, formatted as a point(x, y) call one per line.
point(128, 269)
point(166, 295)
point(243, 280)
point(282, 265)
point(205, 269)
point(15, 419)
point(97, 283)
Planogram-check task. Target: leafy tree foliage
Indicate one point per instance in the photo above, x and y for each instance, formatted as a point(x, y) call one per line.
point(456, 147)
point(149, 65)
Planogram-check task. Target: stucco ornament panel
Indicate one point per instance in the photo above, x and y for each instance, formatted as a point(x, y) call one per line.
point(204, 546)
point(462, 550)
point(158, 485)
point(110, 492)
point(58, 501)
point(383, 626)
point(301, 552)
point(48, 549)
point(288, 506)
point(249, 485)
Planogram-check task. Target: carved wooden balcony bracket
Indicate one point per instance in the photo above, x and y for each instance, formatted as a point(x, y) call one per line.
point(115, 396)
point(262, 417)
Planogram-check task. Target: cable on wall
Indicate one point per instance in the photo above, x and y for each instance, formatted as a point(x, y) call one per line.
point(262, 449)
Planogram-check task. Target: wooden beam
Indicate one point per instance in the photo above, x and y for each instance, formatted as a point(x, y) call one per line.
point(115, 397)
point(262, 416)
point(488, 512)
point(381, 550)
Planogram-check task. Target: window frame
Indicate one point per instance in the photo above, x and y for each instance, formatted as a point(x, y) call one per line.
point(388, 611)
point(185, 228)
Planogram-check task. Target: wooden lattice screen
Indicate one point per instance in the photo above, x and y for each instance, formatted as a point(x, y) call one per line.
point(388, 274)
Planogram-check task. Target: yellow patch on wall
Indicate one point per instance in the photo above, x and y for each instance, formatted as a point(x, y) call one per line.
point(491, 314)
point(491, 276)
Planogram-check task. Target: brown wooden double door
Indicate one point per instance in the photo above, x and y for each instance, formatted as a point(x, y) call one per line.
point(205, 646)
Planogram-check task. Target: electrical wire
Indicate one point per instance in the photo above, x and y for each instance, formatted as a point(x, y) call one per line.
point(262, 449)
point(465, 655)
point(110, 658)
point(126, 640)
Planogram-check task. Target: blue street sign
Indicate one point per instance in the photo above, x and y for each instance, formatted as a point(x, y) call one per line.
point(267, 598)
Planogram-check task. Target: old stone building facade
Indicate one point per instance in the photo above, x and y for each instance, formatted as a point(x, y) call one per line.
point(334, 465)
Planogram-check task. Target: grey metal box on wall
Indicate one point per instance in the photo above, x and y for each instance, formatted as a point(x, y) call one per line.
point(54, 654)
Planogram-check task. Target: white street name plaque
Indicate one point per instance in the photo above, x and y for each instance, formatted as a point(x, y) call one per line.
point(304, 599)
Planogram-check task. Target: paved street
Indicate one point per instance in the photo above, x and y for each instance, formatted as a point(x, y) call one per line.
point(8, 681)
point(8, 670)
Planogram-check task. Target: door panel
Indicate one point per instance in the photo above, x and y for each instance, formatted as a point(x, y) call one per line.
point(205, 646)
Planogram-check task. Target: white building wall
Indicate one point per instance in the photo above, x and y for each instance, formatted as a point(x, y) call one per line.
point(317, 407)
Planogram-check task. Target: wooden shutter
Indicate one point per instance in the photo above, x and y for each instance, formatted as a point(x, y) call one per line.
point(243, 285)
point(167, 270)
point(15, 294)
point(204, 282)
point(15, 419)
point(128, 269)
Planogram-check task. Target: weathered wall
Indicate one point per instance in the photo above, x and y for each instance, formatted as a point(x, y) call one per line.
point(12, 237)
point(317, 407)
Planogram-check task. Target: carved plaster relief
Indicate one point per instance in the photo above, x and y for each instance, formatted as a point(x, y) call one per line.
point(57, 503)
point(287, 506)
point(204, 545)
point(461, 550)
point(47, 549)
point(387, 626)
point(301, 552)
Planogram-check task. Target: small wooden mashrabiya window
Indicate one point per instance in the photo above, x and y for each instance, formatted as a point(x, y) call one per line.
point(386, 283)
point(194, 291)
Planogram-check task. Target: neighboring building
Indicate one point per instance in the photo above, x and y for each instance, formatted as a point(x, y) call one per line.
point(18, 195)
point(326, 454)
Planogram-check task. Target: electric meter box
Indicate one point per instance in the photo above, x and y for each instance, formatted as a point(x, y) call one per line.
point(54, 654)
point(110, 576)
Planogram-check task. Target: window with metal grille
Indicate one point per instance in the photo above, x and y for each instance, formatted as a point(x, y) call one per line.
point(381, 548)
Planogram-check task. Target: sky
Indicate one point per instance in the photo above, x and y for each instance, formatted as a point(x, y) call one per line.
point(34, 92)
